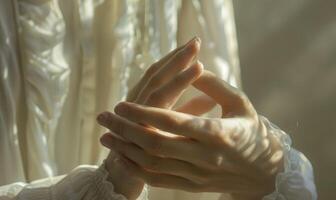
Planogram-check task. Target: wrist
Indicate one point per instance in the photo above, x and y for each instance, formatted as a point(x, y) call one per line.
point(272, 165)
point(124, 183)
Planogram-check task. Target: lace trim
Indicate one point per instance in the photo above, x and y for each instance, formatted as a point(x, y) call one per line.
point(297, 181)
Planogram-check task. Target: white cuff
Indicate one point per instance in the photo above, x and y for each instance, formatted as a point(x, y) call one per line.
point(85, 182)
point(297, 180)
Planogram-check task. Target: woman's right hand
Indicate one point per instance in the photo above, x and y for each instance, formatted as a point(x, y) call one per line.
point(160, 86)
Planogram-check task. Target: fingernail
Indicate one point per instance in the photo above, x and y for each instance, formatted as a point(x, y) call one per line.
point(103, 139)
point(200, 64)
point(196, 69)
point(195, 38)
point(200, 67)
point(191, 48)
point(198, 39)
point(190, 41)
point(120, 108)
point(103, 142)
point(102, 117)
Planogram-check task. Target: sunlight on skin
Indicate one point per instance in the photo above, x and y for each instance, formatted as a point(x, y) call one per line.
point(235, 154)
point(174, 65)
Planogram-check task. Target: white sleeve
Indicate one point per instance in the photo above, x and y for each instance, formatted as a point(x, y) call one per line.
point(84, 183)
point(296, 182)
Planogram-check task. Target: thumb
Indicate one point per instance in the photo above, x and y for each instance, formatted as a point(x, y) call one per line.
point(197, 105)
point(230, 98)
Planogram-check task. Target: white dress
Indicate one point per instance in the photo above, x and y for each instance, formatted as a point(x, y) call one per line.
point(63, 61)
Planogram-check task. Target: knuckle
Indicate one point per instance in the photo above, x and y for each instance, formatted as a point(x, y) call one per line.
point(214, 128)
point(264, 145)
point(215, 161)
point(195, 123)
point(265, 148)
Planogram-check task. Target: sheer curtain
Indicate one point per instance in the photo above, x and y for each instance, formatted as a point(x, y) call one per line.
point(64, 61)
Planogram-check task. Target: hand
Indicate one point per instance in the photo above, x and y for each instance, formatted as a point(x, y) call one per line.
point(160, 86)
point(232, 154)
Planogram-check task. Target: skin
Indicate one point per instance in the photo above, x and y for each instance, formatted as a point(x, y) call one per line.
point(231, 154)
point(170, 75)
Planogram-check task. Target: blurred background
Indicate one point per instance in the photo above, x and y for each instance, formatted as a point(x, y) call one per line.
point(288, 60)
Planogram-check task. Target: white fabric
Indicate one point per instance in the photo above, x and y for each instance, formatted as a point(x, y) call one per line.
point(297, 180)
point(64, 61)
point(87, 182)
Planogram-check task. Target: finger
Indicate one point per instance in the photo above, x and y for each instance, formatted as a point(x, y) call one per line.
point(151, 140)
point(180, 149)
point(197, 105)
point(223, 182)
point(138, 134)
point(179, 61)
point(155, 163)
point(160, 180)
point(230, 98)
point(170, 121)
point(206, 130)
point(167, 95)
point(152, 70)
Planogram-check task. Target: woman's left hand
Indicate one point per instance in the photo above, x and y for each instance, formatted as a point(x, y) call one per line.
point(232, 154)
point(161, 85)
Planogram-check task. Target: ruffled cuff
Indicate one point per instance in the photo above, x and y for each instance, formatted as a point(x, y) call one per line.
point(296, 182)
point(84, 183)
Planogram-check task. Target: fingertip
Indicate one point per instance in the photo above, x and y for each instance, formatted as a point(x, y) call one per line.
point(102, 118)
point(198, 40)
point(195, 38)
point(200, 66)
point(193, 46)
point(197, 68)
point(121, 107)
point(104, 139)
